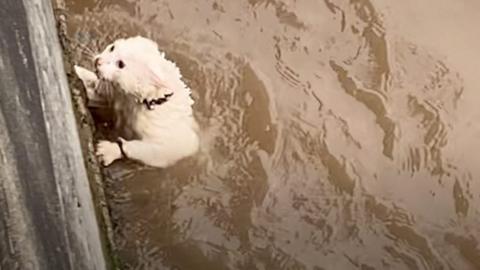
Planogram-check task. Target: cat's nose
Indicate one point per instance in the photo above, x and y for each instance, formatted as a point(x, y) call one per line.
point(97, 62)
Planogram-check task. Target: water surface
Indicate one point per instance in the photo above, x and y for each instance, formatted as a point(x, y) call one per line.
point(335, 135)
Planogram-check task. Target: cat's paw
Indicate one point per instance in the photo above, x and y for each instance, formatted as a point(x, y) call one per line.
point(108, 152)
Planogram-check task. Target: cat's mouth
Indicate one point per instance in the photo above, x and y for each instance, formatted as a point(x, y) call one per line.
point(99, 74)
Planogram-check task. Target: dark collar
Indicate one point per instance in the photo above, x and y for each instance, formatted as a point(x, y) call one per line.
point(150, 103)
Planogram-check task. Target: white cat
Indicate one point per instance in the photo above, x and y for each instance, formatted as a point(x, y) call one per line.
point(151, 101)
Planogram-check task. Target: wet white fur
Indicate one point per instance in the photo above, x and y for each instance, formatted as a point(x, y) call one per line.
point(167, 133)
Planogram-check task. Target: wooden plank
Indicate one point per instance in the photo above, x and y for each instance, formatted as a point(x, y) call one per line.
point(48, 219)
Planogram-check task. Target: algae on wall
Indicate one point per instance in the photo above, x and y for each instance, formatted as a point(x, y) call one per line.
point(86, 129)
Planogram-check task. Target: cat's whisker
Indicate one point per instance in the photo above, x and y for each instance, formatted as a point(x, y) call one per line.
point(97, 43)
point(87, 53)
point(118, 36)
point(84, 48)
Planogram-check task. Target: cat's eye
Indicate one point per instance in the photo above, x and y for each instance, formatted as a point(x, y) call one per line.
point(120, 64)
point(112, 48)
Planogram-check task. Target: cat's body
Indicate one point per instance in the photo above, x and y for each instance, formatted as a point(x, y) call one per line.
point(151, 103)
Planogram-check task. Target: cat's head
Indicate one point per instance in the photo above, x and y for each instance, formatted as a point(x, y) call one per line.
point(138, 67)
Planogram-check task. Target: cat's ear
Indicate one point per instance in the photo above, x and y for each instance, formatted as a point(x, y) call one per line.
point(90, 82)
point(152, 75)
point(155, 77)
point(89, 79)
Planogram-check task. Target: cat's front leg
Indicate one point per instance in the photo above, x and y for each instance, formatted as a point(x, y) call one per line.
point(107, 151)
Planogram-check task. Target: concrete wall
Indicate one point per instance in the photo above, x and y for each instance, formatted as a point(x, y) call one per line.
point(47, 216)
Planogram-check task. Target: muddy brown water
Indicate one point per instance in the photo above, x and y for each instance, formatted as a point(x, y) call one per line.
point(335, 134)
